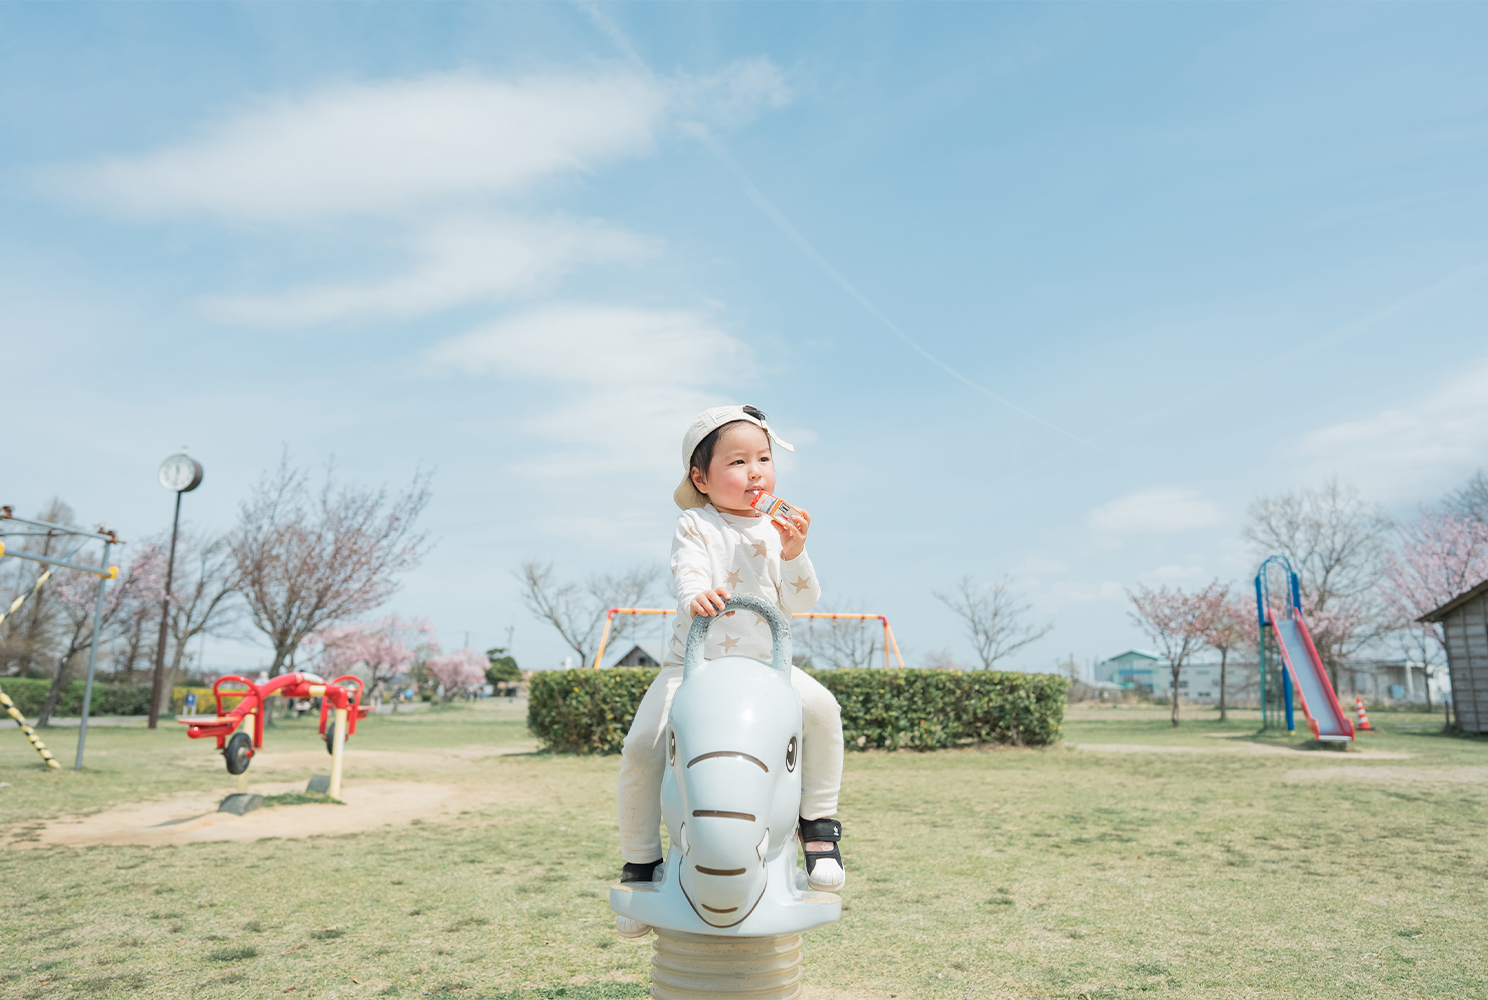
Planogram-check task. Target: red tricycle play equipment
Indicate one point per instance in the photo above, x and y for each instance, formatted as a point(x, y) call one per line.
point(239, 730)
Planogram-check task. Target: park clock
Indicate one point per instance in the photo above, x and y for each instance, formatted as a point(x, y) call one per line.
point(181, 473)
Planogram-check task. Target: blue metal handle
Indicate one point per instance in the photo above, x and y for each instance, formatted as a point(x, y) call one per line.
point(780, 638)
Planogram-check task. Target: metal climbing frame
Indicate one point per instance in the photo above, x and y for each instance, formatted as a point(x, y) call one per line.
point(104, 572)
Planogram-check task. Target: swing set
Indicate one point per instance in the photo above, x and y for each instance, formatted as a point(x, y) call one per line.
point(104, 572)
point(889, 641)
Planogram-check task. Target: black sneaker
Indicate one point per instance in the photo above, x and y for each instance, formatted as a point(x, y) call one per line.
point(632, 872)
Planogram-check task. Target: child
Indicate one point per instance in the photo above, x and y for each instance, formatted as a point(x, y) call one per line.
point(722, 547)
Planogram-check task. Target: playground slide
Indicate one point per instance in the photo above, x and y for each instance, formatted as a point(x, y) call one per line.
point(1319, 703)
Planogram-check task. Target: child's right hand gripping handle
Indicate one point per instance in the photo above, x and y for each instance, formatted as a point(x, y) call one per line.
point(780, 638)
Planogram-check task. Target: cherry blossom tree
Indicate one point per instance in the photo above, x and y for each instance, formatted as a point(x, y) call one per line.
point(1443, 554)
point(126, 600)
point(457, 671)
point(1229, 624)
point(1178, 623)
point(385, 647)
point(307, 560)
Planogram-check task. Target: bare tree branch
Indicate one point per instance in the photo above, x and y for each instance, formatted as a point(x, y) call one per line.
point(993, 617)
point(307, 560)
point(1471, 500)
point(1336, 542)
point(578, 613)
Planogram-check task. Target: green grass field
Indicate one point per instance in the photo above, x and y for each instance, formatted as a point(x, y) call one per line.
point(1147, 862)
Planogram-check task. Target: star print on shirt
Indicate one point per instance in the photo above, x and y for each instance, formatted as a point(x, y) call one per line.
point(759, 549)
point(728, 644)
point(800, 583)
point(734, 577)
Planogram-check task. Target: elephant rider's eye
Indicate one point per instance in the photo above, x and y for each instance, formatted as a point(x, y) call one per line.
point(790, 755)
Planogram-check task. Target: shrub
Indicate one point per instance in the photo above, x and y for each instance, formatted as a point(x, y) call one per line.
point(589, 711)
point(936, 709)
point(585, 710)
point(29, 694)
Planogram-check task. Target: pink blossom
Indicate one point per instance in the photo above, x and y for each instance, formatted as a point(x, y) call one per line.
point(1441, 556)
point(385, 647)
point(460, 669)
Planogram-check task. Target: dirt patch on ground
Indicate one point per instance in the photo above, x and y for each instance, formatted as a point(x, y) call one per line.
point(431, 762)
point(1243, 748)
point(193, 818)
point(1394, 775)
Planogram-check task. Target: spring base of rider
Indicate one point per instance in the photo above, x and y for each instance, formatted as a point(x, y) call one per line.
point(694, 966)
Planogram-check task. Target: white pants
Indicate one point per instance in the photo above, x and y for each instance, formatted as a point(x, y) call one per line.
point(643, 761)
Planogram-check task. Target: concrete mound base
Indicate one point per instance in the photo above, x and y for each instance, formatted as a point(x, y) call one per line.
point(240, 802)
point(694, 966)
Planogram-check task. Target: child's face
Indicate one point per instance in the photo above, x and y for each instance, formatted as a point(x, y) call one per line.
point(740, 470)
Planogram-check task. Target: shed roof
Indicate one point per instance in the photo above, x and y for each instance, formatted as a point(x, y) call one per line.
point(1137, 652)
point(1455, 603)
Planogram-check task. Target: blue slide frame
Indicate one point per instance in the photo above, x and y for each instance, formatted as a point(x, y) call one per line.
point(1301, 664)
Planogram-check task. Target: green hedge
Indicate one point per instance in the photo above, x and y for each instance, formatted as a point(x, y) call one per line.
point(29, 694)
point(936, 709)
point(589, 711)
point(585, 711)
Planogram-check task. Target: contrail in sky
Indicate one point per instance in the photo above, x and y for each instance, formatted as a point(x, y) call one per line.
point(700, 132)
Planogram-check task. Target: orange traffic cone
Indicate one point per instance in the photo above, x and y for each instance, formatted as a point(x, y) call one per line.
point(1363, 722)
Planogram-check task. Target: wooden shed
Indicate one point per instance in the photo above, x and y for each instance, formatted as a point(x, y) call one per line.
point(1464, 619)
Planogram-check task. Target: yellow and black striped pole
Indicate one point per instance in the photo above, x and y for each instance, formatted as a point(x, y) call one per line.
point(15, 714)
point(15, 604)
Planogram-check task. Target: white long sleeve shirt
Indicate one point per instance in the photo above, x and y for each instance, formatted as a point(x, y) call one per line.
point(711, 549)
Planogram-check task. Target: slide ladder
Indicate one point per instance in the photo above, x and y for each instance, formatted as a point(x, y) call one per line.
point(1300, 660)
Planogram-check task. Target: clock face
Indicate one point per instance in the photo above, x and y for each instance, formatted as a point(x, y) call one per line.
point(181, 473)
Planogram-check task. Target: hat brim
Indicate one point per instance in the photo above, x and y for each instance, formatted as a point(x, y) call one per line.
point(687, 496)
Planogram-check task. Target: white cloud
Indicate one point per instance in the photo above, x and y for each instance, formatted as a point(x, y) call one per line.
point(1409, 450)
point(382, 148)
point(1156, 511)
point(459, 262)
point(736, 95)
point(391, 147)
point(638, 372)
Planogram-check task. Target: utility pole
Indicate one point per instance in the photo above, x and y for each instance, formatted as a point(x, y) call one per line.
point(180, 473)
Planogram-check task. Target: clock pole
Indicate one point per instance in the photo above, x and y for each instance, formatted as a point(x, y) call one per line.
point(170, 569)
point(182, 474)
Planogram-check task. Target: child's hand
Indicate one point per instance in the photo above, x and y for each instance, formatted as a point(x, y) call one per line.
point(705, 603)
point(793, 538)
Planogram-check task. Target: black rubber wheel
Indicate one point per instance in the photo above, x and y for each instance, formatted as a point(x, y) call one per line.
point(331, 737)
point(239, 752)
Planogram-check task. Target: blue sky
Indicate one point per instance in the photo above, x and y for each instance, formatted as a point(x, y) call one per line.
point(1166, 258)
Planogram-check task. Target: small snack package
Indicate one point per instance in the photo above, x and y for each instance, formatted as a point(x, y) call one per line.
point(773, 507)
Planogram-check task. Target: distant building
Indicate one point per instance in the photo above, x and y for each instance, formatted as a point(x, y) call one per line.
point(640, 656)
point(1147, 673)
point(1464, 619)
point(1133, 670)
